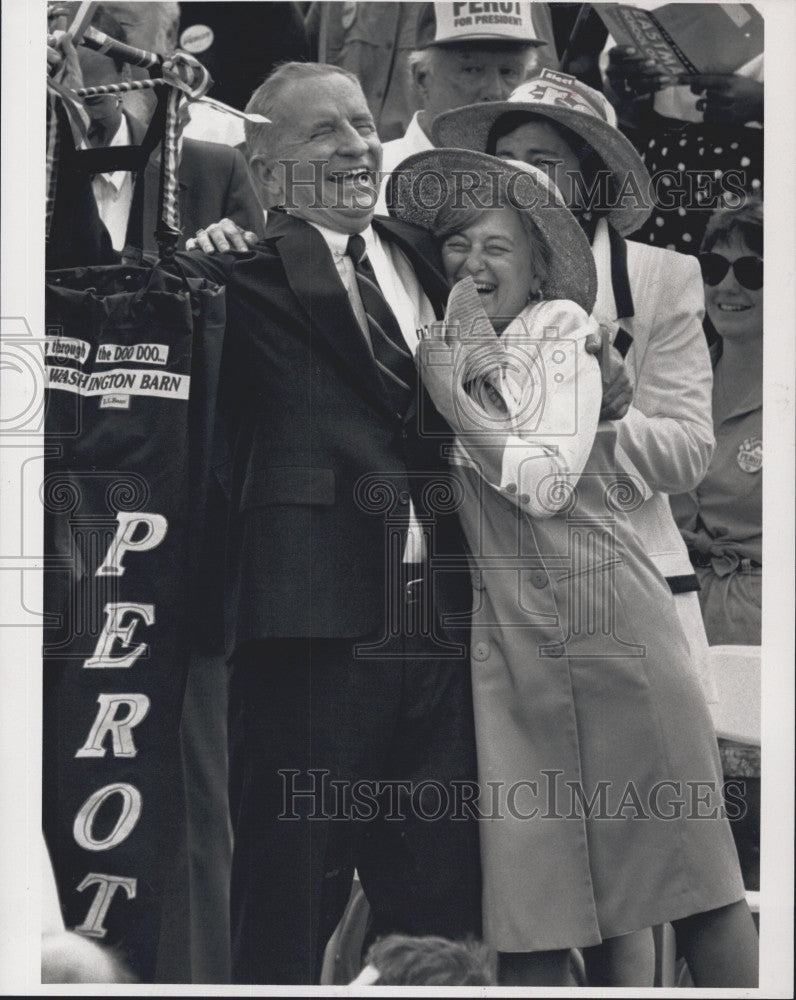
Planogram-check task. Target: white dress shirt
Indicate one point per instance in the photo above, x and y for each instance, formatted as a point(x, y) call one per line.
point(114, 192)
point(409, 304)
point(414, 140)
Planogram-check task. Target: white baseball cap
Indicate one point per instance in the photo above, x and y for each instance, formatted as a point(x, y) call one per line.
point(451, 23)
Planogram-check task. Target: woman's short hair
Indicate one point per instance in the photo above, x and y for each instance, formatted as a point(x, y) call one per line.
point(454, 217)
point(744, 223)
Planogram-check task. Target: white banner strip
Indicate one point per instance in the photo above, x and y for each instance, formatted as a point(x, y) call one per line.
point(156, 354)
point(67, 347)
point(119, 380)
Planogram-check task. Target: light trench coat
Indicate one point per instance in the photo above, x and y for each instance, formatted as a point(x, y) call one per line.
point(598, 768)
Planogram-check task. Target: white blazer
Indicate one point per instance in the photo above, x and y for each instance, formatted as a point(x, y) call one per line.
point(668, 431)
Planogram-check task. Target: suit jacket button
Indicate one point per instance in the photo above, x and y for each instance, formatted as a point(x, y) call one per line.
point(539, 578)
point(511, 487)
point(403, 497)
point(481, 651)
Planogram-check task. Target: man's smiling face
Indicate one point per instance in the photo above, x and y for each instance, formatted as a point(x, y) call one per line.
point(328, 151)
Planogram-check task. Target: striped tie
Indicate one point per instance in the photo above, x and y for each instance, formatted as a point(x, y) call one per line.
point(390, 352)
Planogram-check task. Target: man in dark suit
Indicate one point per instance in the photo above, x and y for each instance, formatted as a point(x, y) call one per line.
point(350, 709)
point(213, 179)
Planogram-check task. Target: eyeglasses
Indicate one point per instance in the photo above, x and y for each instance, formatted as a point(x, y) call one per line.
point(748, 271)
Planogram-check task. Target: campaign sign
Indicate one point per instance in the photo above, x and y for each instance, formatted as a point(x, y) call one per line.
point(131, 362)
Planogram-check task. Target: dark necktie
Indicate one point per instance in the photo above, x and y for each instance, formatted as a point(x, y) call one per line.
point(390, 352)
point(97, 134)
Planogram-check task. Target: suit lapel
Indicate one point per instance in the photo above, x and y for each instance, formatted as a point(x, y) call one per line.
point(620, 278)
point(623, 296)
point(420, 249)
point(313, 279)
point(137, 129)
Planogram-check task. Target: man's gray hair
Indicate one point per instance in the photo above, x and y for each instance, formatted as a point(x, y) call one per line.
point(263, 140)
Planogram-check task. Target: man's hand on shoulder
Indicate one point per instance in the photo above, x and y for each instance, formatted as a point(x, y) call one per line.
point(222, 237)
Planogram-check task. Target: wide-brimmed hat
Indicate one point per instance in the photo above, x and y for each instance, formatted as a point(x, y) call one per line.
point(586, 112)
point(448, 23)
point(424, 182)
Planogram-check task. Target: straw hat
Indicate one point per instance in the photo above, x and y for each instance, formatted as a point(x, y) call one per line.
point(424, 182)
point(563, 99)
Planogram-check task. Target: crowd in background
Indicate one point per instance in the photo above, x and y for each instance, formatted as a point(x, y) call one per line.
point(679, 283)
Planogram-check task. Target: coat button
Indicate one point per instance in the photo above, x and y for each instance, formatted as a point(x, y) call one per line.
point(481, 651)
point(403, 497)
point(539, 578)
point(525, 498)
point(511, 487)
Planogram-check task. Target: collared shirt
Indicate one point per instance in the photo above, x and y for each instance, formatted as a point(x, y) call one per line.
point(114, 192)
point(409, 304)
point(414, 140)
point(723, 516)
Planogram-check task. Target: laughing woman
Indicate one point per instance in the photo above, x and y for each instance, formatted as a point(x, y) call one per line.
point(599, 772)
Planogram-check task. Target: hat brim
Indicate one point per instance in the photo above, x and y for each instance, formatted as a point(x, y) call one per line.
point(453, 40)
point(469, 128)
point(415, 194)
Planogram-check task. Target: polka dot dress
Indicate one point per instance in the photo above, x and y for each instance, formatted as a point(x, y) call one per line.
point(692, 167)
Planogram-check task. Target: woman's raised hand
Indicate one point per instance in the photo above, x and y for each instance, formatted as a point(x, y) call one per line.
point(462, 350)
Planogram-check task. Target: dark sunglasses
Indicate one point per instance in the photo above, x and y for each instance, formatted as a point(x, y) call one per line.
point(748, 271)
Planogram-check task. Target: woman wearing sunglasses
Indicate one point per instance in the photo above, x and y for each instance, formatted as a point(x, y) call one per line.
point(721, 520)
